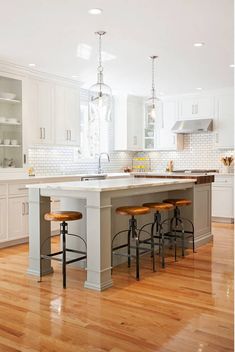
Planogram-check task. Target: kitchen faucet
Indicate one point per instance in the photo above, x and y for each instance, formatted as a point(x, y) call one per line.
point(99, 165)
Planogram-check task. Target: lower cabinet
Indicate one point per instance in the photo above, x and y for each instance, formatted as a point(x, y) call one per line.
point(223, 199)
point(18, 210)
point(3, 219)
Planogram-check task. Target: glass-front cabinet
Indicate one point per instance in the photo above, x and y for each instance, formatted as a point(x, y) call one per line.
point(11, 155)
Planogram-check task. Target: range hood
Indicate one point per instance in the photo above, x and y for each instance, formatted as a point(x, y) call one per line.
point(193, 126)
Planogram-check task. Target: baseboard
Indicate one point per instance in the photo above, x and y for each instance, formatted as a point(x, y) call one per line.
point(14, 242)
point(223, 220)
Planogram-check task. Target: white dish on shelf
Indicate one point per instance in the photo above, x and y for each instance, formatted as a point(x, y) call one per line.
point(14, 142)
point(7, 142)
point(8, 96)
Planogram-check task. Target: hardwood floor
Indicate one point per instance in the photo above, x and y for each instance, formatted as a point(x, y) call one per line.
point(185, 308)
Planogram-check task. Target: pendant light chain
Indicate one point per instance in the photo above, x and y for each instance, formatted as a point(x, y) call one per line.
point(153, 76)
point(153, 82)
point(100, 67)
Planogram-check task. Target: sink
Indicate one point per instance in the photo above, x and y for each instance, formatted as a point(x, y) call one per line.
point(94, 177)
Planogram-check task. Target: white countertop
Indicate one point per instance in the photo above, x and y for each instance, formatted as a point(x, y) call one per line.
point(110, 184)
point(24, 177)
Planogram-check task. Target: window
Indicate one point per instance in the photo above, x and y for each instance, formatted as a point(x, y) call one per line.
point(96, 136)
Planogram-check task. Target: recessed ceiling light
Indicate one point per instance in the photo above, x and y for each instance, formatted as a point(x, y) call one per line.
point(32, 65)
point(199, 44)
point(232, 65)
point(95, 11)
point(199, 88)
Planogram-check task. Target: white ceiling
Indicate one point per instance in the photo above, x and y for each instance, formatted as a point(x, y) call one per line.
point(47, 32)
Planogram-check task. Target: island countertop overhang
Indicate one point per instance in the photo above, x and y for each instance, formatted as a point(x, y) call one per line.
point(110, 185)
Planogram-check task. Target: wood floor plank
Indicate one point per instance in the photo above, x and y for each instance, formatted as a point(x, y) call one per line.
point(186, 307)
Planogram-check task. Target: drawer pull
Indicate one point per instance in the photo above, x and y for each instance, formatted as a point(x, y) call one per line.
point(22, 189)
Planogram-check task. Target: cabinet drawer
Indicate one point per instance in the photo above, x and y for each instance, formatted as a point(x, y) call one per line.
point(223, 181)
point(18, 189)
point(3, 190)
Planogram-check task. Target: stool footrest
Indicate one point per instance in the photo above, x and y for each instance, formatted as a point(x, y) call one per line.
point(119, 247)
point(75, 260)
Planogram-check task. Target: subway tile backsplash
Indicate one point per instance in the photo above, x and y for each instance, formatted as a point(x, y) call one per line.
point(199, 152)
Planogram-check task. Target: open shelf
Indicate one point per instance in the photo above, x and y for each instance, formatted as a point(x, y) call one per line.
point(11, 101)
point(10, 124)
point(10, 145)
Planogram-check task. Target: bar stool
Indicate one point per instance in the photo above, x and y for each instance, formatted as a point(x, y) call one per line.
point(63, 217)
point(134, 233)
point(177, 223)
point(157, 224)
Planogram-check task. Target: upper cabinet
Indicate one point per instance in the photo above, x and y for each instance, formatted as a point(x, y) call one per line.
point(53, 113)
point(128, 122)
point(165, 139)
point(196, 107)
point(67, 130)
point(40, 112)
point(224, 122)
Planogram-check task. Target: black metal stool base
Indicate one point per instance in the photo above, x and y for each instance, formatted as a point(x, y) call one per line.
point(51, 256)
point(177, 231)
point(134, 233)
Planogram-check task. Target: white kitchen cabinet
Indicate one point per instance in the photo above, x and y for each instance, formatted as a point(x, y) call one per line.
point(196, 107)
point(41, 105)
point(165, 139)
point(3, 219)
point(224, 123)
point(18, 211)
point(67, 115)
point(128, 122)
point(223, 198)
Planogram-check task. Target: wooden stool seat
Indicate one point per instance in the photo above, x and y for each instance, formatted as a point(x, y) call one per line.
point(132, 210)
point(159, 206)
point(178, 202)
point(63, 216)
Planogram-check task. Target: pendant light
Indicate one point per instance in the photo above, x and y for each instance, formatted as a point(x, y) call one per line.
point(100, 94)
point(152, 101)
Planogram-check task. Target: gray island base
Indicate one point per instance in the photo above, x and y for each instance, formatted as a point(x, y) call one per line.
point(97, 200)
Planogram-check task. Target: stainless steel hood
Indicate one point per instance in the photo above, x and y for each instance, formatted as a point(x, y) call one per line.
point(193, 126)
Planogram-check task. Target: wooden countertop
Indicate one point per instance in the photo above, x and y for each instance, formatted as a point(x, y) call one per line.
point(200, 178)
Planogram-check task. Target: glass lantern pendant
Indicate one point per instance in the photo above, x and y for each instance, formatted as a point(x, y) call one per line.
point(100, 94)
point(153, 100)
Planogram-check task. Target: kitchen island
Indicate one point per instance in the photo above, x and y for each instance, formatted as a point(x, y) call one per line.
point(100, 221)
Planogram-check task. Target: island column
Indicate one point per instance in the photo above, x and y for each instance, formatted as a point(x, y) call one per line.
point(98, 241)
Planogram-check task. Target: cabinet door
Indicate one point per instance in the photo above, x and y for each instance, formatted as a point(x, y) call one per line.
point(41, 100)
point(204, 107)
point(222, 202)
point(72, 115)
point(225, 122)
point(187, 109)
point(67, 116)
point(166, 140)
point(17, 217)
point(61, 132)
point(135, 122)
point(3, 219)
point(120, 122)
point(196, 107)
